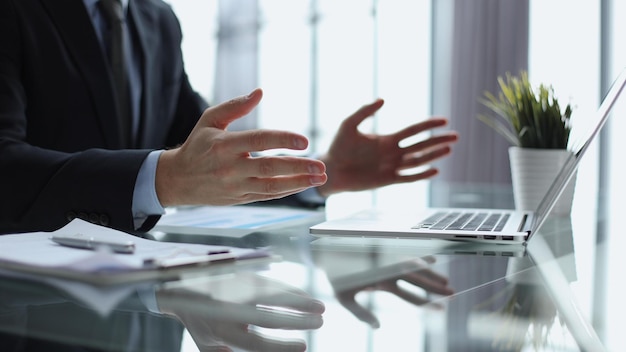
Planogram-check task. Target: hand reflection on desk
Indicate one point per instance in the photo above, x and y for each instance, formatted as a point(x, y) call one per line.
point(416, 272)
point(223, 311)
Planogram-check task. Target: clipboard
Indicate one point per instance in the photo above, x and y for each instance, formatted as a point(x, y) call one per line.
point(36, 253)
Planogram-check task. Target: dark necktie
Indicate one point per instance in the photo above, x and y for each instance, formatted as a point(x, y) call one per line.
point(118, 44)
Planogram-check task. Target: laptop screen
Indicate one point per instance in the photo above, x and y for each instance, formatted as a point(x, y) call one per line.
point(578, 150)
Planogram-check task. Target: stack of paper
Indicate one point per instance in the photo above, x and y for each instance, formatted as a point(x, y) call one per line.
point(36, 253)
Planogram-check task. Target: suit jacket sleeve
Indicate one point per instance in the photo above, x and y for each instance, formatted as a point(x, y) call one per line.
point(58, 153)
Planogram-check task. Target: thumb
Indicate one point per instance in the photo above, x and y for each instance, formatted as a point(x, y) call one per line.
point(354, 120)
point(364, 315)
point(221, 115)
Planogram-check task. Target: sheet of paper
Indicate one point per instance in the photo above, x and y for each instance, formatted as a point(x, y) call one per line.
point(233, 221)
point(36, 249)
point(234, 217)
point(101, 299)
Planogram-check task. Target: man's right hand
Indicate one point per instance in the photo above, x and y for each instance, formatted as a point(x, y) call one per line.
point(215, 167)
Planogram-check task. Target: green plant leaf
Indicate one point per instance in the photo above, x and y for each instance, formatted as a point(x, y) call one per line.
point(527, 117)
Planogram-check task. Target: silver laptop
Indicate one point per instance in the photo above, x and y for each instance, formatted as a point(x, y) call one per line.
point(492, 225)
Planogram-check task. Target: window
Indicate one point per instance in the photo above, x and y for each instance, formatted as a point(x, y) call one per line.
point(565, 52)
point(319, 61)
point(199, 26)
point(612, 260)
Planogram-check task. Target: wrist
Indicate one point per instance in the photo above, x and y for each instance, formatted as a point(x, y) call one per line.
point(165, 179)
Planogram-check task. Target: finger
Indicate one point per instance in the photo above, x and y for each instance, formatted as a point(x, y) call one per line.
point(430, 275)
point(420, 127)
point(216, 348)
point(423, 175)
point(274, 293)
point(248, 340)
point(261, 140)
point(364, 315)
point(268, 317)
point(430, 282)
point(206, 340)
point(416, 299)
point(275, 317)
point(283, 184)
point(408, 296)
point(221, 115)
point(296, 301)
point(281, 165)
point(429, 259)
point(424, 158)
point(443, 139)
point(364, 112)
point(253, 197)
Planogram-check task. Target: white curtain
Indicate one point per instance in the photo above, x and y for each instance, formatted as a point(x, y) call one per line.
point(484, 39)
point(474, 42)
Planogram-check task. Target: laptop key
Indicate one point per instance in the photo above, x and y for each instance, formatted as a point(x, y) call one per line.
point(431, 220)
point(490, 223)
point(502, 222)
point(460, 222)
point(446, 221)
point(473, 224)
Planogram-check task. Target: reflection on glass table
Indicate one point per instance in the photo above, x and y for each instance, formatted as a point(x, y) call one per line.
point(218, 312)
point(533, 307)
point(354, 266)
point(472, 297)
point(414, 272)
point(520, 315)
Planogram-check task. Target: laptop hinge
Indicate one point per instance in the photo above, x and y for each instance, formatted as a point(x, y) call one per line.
point(526, 225)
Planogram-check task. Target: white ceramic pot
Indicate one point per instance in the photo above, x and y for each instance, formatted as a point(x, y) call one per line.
point(533, 171)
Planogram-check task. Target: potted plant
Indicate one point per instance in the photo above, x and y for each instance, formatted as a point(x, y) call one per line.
point(538, 129)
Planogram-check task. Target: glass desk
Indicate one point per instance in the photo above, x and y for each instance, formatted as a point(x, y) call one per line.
point(560, 293)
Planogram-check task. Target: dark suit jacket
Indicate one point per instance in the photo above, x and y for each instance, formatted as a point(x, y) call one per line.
point(58, 127)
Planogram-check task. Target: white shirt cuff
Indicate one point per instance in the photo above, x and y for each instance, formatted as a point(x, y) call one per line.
point(145, 200)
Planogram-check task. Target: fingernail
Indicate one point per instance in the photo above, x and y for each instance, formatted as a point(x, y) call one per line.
point(299, 143)
point(317, 307)
point(314, 169)
point(253, 93)
point(317, 180)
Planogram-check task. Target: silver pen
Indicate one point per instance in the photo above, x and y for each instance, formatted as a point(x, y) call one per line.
point(88, 242)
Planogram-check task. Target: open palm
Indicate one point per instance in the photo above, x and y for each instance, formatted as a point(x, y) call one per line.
point(359, 161)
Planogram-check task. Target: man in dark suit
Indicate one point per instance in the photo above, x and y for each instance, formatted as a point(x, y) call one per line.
point(62, 154)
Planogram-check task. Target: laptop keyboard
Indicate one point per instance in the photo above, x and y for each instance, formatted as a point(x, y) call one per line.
point(465, 221)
